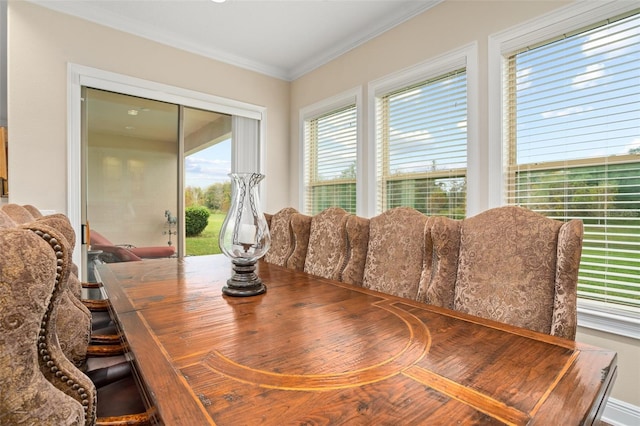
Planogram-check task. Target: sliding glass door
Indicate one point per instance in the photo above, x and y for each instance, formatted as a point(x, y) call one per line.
point(135, 146)
point(144, 162)
point(132, 165)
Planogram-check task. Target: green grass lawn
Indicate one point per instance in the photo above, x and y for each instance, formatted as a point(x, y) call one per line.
point(207, 242)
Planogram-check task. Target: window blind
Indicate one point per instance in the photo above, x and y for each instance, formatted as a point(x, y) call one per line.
point(331, 161)
point(574, 147)
point(422, 146)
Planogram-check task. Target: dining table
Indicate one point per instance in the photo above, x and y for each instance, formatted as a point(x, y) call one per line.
point(316, 351)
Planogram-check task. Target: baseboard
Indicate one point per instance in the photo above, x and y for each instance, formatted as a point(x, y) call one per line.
point(620, 413)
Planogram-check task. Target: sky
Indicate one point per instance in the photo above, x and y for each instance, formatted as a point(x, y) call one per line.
point(211, 165)
point(579, 97)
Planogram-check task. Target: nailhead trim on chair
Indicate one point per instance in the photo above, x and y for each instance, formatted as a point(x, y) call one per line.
point(43, 344)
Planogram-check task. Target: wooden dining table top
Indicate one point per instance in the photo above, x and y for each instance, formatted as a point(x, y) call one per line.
point(312, 351)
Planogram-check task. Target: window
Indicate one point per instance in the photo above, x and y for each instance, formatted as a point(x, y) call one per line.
point(330, 160)
point(421, 143)
point(573, 147)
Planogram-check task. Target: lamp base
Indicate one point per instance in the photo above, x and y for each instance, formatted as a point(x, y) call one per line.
point(244, 281)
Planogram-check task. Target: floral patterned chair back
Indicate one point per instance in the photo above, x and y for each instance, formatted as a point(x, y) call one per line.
point(357, 229)
point(55, 363)
point(17, 212)
point(6, 221)
point(73, 319)
point(398, 257)
point(326, 255)
point(282, 242)
point(33, 210)
point(28, 267)
point(301, 229)
point(509, 264)
point(63, 225)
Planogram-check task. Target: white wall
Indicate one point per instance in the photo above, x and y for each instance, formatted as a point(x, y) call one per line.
point(442, 29)
point(42, 43)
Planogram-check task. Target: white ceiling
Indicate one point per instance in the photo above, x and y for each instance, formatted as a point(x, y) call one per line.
point(129, 116)
point(280, 38)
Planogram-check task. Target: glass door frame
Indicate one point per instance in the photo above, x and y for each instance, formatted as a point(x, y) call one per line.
point(79, 76)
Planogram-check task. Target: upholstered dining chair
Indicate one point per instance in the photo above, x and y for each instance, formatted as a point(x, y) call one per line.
point(29, 209)
point(63, 225)
point(508, 264)
point(6, 221)
point(300, 228)
point(357, 229)
point(17, 212)
point(122, 407)
point(282, 242)
point(28, 270)
point(29, 213)
point(398, 253)
point(33, 210)
point(102, 328)
point(74, 319)
point(327, 243)
point(74, 322)
point(54, 363)
point(88, 338)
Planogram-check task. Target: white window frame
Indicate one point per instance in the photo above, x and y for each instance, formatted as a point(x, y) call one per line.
point(467, 57)
point(591, 314)
point(344, 99)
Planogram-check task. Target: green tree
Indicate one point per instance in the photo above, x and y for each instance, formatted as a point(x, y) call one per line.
point(217, 196)
point(349, 172)
point(193, 196)
point(584, 192)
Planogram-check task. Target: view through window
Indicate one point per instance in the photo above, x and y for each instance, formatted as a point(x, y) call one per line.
point(574, 147)
point(422, 146)
point(331, 151)
point(207, 186)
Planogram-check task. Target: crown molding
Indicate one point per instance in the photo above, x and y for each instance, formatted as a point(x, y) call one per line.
point(409, 11)
point(89, 12)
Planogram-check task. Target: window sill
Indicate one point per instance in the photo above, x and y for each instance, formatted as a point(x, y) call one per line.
point(601, 317)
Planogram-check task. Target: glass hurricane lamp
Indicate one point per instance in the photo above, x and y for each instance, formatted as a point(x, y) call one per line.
point(244, 236)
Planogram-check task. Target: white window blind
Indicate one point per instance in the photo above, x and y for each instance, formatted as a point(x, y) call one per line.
point(331, 151)
point(574, 147)
point(422, 146)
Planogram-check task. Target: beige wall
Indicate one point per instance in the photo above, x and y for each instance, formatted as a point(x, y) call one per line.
point(627, 387)
point(131, 183)
point(40, 45)
point(450, 25)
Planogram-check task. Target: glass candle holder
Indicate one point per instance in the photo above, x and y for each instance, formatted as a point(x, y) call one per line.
point(244, 236)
